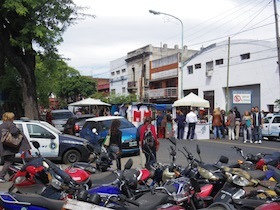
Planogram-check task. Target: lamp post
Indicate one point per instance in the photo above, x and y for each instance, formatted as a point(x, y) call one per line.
point(180, 73)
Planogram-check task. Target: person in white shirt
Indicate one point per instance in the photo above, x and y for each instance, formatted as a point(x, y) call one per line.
point(191, 120)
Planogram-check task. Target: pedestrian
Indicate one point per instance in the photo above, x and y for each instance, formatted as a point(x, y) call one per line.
point(8, 153)
point(257, 125)
point(253, 132)
point(49, 117)
point(191, 119)
point(181, 123)
point(149, 151)
point(247, 127)
point(231, 119)
point(115, 146)
point(159, 119)
point(217, 123)
point(169, 126)
point(223, 127)
point(237, 122)
point(163, 126)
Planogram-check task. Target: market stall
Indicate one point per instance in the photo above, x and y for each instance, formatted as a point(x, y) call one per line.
point(202, 130)
point(93, 105)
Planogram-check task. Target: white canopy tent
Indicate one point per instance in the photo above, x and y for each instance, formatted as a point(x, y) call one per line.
point(89, 102)
point(192, 100)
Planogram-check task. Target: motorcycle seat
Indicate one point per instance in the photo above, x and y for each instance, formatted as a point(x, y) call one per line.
point(257, 174)
point(103, 178)
point(248, 203)
point(37, 200)
point(149, 201)
point(276, 172)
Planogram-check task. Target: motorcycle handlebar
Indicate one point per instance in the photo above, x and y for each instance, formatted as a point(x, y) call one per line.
point(66, 177)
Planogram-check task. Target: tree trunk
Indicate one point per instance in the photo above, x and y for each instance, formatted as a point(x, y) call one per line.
point(24, 61)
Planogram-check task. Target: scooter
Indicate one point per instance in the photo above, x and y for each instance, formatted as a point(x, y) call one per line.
point(40, 174)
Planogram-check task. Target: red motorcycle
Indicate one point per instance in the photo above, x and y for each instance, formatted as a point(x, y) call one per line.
point(36, 175)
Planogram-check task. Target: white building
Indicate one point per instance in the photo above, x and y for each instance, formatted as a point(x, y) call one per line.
point(118, 76)
point(253, 74)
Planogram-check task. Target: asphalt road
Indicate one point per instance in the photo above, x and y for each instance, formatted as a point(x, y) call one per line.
point(211, 150)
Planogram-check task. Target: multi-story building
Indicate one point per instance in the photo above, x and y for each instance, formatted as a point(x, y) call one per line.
point(118, 76)
point(242, 73)
point(103, 85)
point(141, 76)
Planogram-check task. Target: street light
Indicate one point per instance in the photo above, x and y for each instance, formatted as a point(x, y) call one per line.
point(180, 77)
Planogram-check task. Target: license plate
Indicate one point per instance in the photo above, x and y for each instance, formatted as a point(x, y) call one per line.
point(132, 143)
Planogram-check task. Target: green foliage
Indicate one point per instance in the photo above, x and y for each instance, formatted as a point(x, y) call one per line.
point(277, 103)
point(50, 73)
point(122, 99)
point(72, 88)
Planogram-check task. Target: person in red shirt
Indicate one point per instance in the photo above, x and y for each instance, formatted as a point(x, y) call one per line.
point(149, 151)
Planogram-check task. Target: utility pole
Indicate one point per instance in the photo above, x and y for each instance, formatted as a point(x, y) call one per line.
point(227, 89)
point(277, 35)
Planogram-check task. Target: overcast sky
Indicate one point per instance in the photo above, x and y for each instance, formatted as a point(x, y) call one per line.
point(122, 26)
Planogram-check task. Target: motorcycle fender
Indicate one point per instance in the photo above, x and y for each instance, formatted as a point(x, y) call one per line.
point(227, 192)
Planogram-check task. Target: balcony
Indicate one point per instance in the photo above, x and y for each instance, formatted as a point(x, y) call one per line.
point(131, 85)
point(171, 92)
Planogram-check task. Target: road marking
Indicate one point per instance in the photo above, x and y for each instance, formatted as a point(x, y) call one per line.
point(233, 142)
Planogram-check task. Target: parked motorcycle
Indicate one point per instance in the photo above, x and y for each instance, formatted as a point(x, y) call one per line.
point(41, 176)
point(16, 201)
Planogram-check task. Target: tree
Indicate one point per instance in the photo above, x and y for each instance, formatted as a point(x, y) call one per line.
point(25, 24)
point(75, 88)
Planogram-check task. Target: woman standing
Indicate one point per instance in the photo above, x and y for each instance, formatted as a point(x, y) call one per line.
point(115, 145)
point(231, 119)
point(247, 122)
point(169, 127)
point(8, 153)
point(217, 123)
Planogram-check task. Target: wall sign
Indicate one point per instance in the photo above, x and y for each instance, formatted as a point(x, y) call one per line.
point(241, 97)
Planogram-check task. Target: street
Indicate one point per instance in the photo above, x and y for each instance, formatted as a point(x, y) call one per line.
point(211, 150)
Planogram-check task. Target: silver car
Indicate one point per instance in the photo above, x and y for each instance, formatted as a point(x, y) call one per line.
point(60, 117)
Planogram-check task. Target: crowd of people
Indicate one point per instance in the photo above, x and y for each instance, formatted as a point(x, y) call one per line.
point(233, 122)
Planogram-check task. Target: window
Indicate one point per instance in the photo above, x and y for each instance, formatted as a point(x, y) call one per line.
point(123, 90)
point(245, 56)
point(219, 61)
point(209, 66)
point(190, 69)
point(118, 72)
point(197, 66)
point(113, 91)
point(112, 73)
point(276, 120)
point(36, 131)
point(123, 70)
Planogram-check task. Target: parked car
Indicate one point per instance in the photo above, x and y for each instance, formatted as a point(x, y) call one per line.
point(59, 118)
point(75, 124)
point(271, 127)
point(54, 144)
point(97, 128)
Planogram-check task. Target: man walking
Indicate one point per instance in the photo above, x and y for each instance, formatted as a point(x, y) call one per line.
point(257, 125)
point(191, 120)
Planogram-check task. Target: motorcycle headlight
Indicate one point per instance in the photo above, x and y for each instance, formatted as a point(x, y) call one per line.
point(240, 181)
point(19, 179)
point(207, 174)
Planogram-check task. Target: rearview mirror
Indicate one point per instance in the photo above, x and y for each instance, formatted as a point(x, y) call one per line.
point(223, 159)
point(128, 164)
point(94, 130)
point(36, 144)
